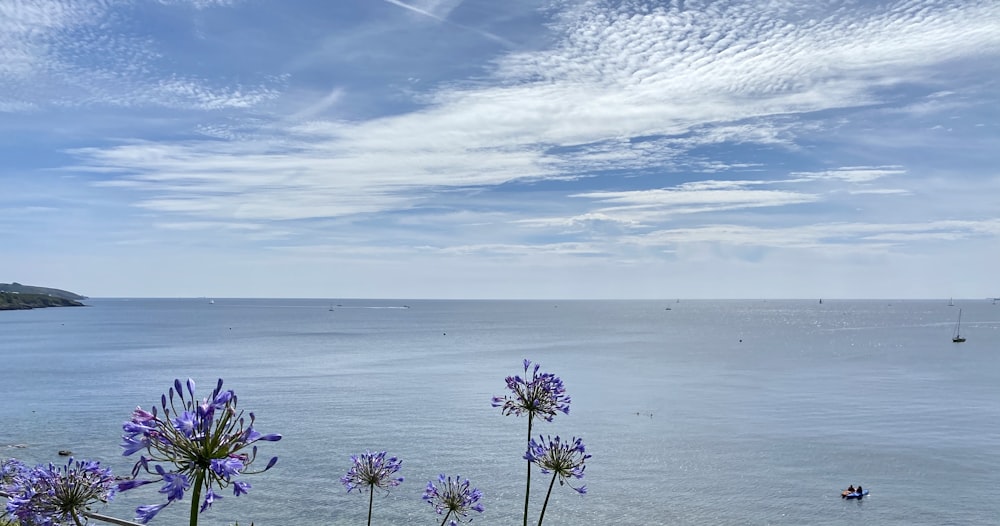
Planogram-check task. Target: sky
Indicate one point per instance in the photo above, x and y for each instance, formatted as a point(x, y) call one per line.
point(501, 149)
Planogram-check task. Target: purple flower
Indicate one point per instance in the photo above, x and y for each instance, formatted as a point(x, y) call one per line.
point(174, 485)
point(53, 495)
point(372, 470)
point(133, 427)
point(207, 442)
point(140, 416)
point(133, 443)
point(453, 499)
point(562, 459)
point(240, 488)
point(227, 467)
point(13, 477)
point(144, 513)
point(222, 398)
point(10, 469)
point(185, 423)
point(210, 497)
point(542, 394)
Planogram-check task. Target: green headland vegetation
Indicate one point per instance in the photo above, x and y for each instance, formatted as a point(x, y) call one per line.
point(14, 296)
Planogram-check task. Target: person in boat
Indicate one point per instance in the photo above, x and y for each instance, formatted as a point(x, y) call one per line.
point(858, 491)
point(848, 491)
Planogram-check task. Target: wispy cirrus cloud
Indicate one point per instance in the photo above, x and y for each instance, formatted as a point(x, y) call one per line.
point(625, 130)
point(436, 9)
point(681, 80)
point(861, 237)
point(439, 11)
point(78, 53)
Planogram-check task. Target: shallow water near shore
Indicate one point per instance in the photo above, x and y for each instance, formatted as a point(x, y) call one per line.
point(695, 412)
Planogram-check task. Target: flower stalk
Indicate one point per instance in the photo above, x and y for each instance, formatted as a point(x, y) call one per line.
point(564, 460)
point(542, 394)
point(208, 443)
point(454, 498)
point(372, 471)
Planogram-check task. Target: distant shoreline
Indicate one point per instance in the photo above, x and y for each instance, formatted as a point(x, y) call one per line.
point(15, 301)
point(15, 296)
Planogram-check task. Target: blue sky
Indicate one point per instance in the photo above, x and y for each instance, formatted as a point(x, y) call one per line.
point(514, 149)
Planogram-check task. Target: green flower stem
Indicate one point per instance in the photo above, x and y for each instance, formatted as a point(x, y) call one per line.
point(446, 515)
point(76, 519)
point(546, 504)
point(371, 497)
point(527, 484)
point(196, 496)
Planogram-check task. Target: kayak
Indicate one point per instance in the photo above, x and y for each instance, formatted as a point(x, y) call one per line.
point(854, 495)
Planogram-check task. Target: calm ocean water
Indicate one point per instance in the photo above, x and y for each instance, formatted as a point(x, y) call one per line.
point(711, 412)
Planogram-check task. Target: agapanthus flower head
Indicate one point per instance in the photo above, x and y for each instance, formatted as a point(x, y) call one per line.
point(10, 469)
point(208, 443)
point(454, 498)
point(541, 394)
point(563, 459)
point(372, 470)
point(49, 495)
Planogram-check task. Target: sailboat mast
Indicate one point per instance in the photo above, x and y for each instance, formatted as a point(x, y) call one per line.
point(958, 329)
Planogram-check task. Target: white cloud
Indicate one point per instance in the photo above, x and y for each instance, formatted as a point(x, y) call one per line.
point(439, 11)
point(854, 174)
point(856, 236)
point(667, 197)
point(77, 53)
point(436, 9)
point(635, 129)
point(201, 4)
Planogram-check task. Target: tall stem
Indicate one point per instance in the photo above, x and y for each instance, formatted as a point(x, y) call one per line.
point(371, 497)
point(446, 515)
point(527, 484)
point(196, 496)
point(546, 504)
point(76, 519)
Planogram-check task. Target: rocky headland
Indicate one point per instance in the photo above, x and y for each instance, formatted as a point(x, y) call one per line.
point(15, 296)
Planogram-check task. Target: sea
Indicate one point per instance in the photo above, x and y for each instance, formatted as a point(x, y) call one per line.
point(695, 412)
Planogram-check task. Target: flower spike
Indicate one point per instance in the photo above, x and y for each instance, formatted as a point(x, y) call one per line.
point(206, 442)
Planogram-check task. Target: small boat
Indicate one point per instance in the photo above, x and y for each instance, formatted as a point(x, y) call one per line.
point(854, 494)
point(958, 338)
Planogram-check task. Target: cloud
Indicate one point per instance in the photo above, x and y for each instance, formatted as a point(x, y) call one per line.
point(80, 53)
point(201, 4)
point(436, 9)
point(853, 174)
point(849, 236)
point(691, 200)
point(619, 129)
point(439, 11)
point(620, 90)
